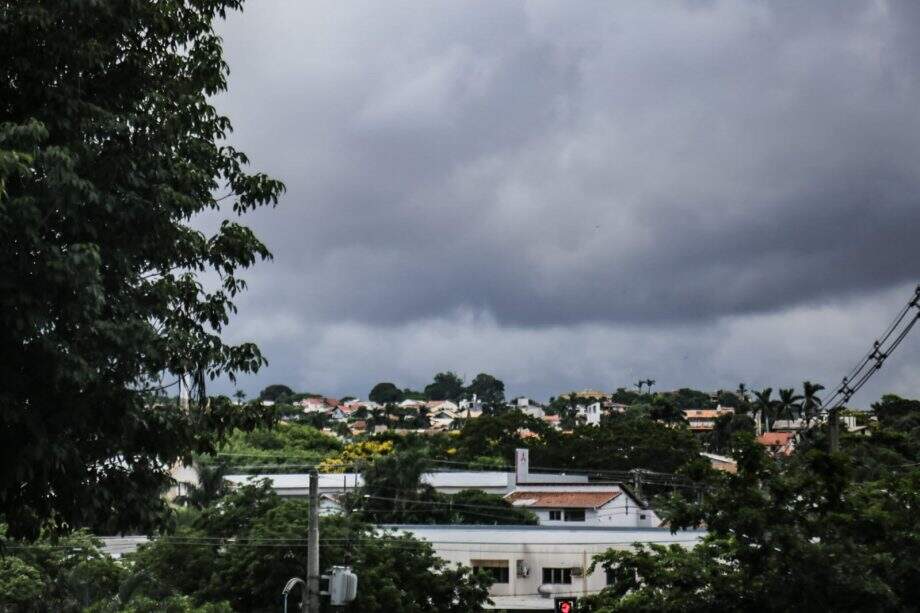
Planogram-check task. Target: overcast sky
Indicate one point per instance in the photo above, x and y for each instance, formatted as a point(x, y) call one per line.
point(579, 194)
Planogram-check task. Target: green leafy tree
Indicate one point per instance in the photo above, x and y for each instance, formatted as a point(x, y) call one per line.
point(446, 386)
point(799, 536)
point(21, 584)
point(62, 574)
point(276, 392)
point(725, 428)
point(664, 409)
point(385, 393)
point(109, 146)
point(489, 390)
point(268, 548)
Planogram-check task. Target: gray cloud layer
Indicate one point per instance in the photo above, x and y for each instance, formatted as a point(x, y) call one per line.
point(567, 192)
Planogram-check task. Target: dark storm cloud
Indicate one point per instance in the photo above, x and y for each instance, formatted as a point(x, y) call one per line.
point(573, 166)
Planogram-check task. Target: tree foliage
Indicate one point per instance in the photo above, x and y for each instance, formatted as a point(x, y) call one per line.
point(385, 393)
point(108, 147)
point(269, 548)
point(489, 390)
point(446, 386)
point(799, 535)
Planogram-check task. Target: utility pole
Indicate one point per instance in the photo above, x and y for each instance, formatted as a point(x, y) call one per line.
point(313, 546)
point(833, 431)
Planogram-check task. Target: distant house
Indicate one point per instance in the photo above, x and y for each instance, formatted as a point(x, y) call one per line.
point(319, 403)
point(529, 407)
point(721, 462)
point(471, 406)
point(441, 405)
point(778, 443)
point(443, 418)
point(592, 414)
point(339, 413)
point(704, 420)
point(557, 504)
point(788, 425)
point(329, 504)
point(553, 420)
point(589, 394)
point(408, 403)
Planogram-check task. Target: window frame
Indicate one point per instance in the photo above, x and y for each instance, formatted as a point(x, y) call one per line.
point(557, 572)
point(499, 570)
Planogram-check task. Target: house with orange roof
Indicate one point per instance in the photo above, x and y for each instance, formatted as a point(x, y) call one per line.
point(778, 443)
point(704, 420)
point(558, 504)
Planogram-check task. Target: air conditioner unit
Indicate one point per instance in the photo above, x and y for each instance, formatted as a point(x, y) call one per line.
point(522, 569)
point(577, 571)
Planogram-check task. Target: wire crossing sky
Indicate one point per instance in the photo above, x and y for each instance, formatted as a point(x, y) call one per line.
point(572, 195)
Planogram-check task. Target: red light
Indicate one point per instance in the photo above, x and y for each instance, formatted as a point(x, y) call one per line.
point(565, 607)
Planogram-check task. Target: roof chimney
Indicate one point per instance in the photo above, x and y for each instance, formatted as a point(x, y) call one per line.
point(521, 465)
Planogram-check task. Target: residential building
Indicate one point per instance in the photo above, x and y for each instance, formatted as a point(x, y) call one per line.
point(592, 414)
point(473, 406)
point(532, 564)
point(721, 462)
point(778, 443)
point(589, 394)
point(704, 420)
point(787, 425)
point(605, 504)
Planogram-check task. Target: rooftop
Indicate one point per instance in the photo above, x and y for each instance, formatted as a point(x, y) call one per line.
point(775, 438)
point(583, 500)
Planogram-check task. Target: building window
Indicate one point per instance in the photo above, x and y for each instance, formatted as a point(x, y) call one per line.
point(574, 515)
point(497, 569)
point(555, 515)
point(557, 576)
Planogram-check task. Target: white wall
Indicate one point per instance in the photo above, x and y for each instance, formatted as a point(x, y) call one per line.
point(539, 547)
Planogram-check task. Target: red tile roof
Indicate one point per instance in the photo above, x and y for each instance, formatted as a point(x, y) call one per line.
point(584, 500)
point(775, 438)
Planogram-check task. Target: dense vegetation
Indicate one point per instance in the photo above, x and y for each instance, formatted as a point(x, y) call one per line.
point(817, 531)
point(109, 147)
point(235, 555)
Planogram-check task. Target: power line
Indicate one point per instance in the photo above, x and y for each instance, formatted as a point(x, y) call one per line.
point(857, 377)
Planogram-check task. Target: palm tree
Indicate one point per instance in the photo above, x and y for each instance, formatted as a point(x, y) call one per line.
point(650, 383)
point(240, 396)
point(789, 405)
point(743, 391)
point(639, 385)
point(810, 401)
point(211, 486)
point(765, 406)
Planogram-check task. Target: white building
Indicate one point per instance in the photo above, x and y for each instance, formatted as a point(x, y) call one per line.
point(531, 564)
point(592, 414)
point(471, 406)
point(586, 505)
point(448, 482)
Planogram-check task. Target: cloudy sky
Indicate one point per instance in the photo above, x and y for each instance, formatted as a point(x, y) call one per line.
point(579, 194)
